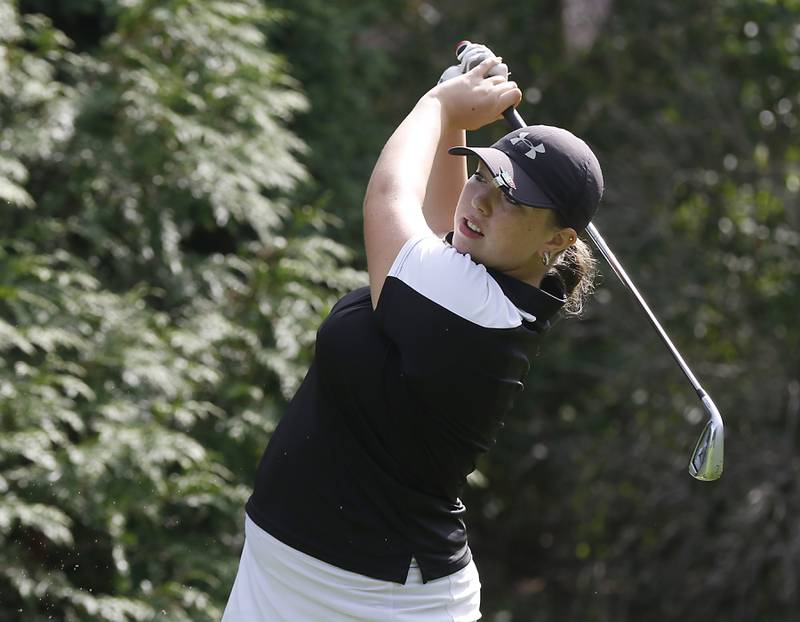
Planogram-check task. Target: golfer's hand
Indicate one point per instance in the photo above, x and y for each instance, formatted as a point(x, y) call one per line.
point(476, 98)
point(472, 55)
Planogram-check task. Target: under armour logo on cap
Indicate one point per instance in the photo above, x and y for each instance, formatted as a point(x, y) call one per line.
point(532, 149)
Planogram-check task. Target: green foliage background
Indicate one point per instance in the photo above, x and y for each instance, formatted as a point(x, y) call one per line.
point(180, 188)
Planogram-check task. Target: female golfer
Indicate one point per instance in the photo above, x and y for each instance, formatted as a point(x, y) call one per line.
point(356, 513)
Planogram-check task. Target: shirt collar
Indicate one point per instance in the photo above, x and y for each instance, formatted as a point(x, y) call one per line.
point(543, 302)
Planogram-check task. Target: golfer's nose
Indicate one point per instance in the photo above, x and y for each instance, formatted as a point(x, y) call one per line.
point(482, 201)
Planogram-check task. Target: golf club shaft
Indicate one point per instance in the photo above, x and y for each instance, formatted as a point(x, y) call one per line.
point(600, 243)
point(515, 121)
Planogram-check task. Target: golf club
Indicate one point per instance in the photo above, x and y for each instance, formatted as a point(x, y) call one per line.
point(707, 458)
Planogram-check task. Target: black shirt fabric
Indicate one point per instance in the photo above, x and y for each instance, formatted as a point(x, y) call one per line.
point(365, 468)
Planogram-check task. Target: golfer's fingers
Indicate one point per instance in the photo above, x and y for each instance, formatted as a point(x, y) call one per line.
point(499, 70)
point(480, 71)
point(510, 97)
point(494, 80)
point(502, 87)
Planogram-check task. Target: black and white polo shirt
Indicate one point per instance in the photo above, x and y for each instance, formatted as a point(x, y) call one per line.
point(366, 466)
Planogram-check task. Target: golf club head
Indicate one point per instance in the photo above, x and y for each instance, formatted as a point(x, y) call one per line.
point(708, 455)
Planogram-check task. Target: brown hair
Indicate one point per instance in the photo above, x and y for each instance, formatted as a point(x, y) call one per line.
point(576, 268)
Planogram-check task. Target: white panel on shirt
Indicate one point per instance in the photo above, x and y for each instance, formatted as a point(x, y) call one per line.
point(439, 272)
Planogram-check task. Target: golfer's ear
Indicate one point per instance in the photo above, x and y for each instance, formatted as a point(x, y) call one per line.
point(561, 240)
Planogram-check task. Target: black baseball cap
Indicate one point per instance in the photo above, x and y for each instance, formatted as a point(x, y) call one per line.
point(547, 167)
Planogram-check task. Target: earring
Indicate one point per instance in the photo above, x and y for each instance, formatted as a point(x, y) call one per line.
point(545, 258)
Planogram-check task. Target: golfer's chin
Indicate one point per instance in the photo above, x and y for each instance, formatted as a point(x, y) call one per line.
point(465, 245)
point(459, 242)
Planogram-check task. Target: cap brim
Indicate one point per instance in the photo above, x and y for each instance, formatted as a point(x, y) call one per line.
point(525, 191)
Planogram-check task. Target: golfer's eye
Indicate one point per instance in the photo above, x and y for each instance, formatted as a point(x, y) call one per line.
point(479, 178)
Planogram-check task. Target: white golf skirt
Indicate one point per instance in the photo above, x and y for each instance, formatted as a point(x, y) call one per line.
point(276, 583)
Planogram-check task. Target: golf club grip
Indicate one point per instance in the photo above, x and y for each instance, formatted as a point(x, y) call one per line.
point(514, 120)
point(511, 115)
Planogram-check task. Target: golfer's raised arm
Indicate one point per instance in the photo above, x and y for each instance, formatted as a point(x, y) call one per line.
point(449, 174)
point(396, 190)
point(445, 183)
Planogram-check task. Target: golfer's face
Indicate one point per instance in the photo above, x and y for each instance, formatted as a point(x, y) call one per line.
point(495, 231)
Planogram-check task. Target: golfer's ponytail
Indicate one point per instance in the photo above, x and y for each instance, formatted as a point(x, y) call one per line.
point(576, 268)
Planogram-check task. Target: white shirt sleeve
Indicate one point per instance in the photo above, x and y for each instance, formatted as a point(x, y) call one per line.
point(452, 280)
